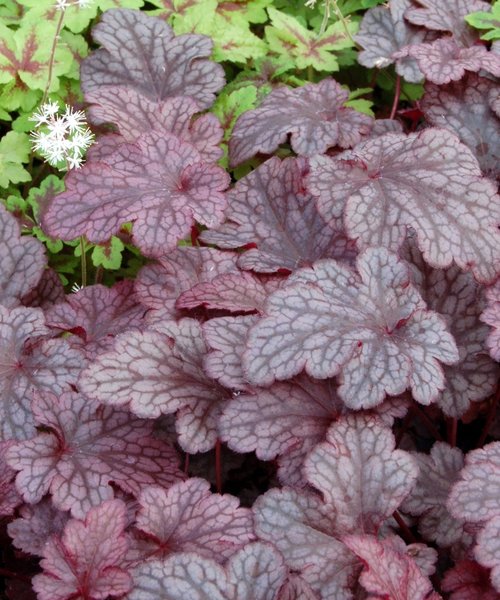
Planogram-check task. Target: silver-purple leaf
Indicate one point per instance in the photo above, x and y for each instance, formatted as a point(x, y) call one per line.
point(360, 473)
point(491, 316)
point(96, 314)
point(158, 372)
point(134, 114)
point(313, 115)
point(48, 292)
point(30, 364)
point(487, 551)
point(141, 52)
point(463, 108)
point(159, 182)
point(22, 261)
point(384, 31)
point(189, 518)
point(87, 561)
point(85, 447)
point(271, 208)
point(428, 181)
point(372, 328)
point(9, 496)
point(444, 60)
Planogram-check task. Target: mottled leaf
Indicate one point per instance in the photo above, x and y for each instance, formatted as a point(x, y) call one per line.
point(372, 328)
point(142, 53)
point(256, 572)
point(158, 181)
point(48, 292)
point(314, 115)
point(360, 474)
point(35, 525)
point(271, 208)
point(160, 372)
point(96, 314)
point(382, 32)
point(491, 316)
point(30, 364)
point(86, 561)
point(428, 181)
point(437, 473)
point(302, 527)
point(463, 108)
point(22, 261)
point(134, 114)
point(468, 581)
point(189, 518)
point(487, 551)
point(389, 571)
point(82, 449)
point(9, 496)
point(444, 60)
point(159, 285)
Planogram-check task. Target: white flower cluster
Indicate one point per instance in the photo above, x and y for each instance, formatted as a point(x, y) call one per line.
point(61, 138)
point(64, 4)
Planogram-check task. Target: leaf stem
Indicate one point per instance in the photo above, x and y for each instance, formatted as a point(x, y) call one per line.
point(489, 418)
point(451, 427)
point(397, 95)
point(53, 55)
point(405, 530)
point(83, 261)
point(427, 422)
point(218, 467)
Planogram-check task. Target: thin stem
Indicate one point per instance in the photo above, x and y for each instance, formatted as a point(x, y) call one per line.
point(344, 21)
point(405, 530)
point(310, 73)
point(98, 274)
point(186, 463)
point(53, 55)
point(490, 417)
point(326, 18)
point(397, 94)
point(83, 261)
point(451, 427)
point(218, 467)
point(427, 422)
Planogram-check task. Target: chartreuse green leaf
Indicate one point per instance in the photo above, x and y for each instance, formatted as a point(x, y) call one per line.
point(233, 40)
point(287, 37)
point(228, 107)
point(487, 20)
point(108, 255)
point(15, 149)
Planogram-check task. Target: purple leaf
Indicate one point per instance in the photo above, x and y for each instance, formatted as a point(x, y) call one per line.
point(36, 524)
point(487, 551)
point(82, 449)
point(159, 285)
point(390, 572)
point(302, 527)
point(360, 474)
point(134, 114)
point(491, 316)
point(22, 263)
point(437, 473)
point(272, 209)
point(468, 581)
point(234, 292)
point(314, 115)
point(87, 561)
point(447, 16)
point(189, 518)
point(9, 496)
point(96, 314)
point(226, 337)
point(293, 415)
point(426, 180)
point(30, 364)
point(48, 292)
point(383, 32)
point(158, 181)
point(256, 572)
point(158, 373)
point(370, 327)
point(444, 60)
point(463, 108)
point(142, 53)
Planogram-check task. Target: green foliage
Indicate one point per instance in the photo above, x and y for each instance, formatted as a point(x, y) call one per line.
point(15, 149)
point(487, 20)
point(109, 256)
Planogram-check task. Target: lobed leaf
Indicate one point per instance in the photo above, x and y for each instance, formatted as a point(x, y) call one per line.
point(467, 581)
point(142, 53)
point(48, 292)
point(428, 181)
point(189, 518)
point(360, 474)
point(272, 209)
point(88, 558)
point(372, 328)
point(159, 182)
point(491, 316)
point(463, 108)
point(314, 115)
point(82, 449)
point(22, 261)
point(487, 551)
point(9, 496)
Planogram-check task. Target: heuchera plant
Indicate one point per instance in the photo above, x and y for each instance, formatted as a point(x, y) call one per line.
point(283, 382)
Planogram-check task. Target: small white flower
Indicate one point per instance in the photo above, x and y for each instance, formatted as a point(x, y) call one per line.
point(310, 3)
point(62, 4)
point(84, 3)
